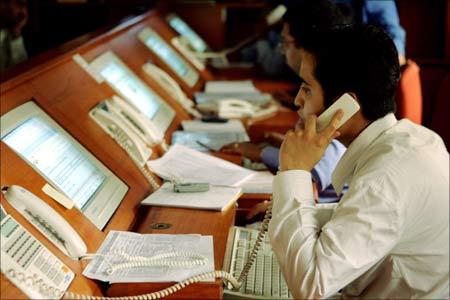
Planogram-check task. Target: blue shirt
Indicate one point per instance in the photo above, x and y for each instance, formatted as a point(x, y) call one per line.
point(383, 14)
point(321, 173)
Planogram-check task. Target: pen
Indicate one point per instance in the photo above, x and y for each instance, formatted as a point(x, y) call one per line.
point(206, 146)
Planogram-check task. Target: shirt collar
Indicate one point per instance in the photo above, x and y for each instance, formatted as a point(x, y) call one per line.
point(344, 170)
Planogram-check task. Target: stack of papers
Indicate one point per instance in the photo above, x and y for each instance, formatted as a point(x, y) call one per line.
point(240, 89)
point(217, 198)
point(200, 126)
point(146, 246)
point(186, 165)
point(260, 183)
point(213, 140)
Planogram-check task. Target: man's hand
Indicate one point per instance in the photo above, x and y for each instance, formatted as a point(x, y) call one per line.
point(302, 149)
point(249, 150)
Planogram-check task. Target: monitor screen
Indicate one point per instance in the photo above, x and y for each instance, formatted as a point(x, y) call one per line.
point(169, 56)
point(183, 29)
point(60, 159)
point(134, 90)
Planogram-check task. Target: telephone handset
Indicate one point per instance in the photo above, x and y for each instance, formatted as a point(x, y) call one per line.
point(275, 15)
point(235, 108)
point(347, 103)
point(171, 87)
point(46, 220)
point(132, 131)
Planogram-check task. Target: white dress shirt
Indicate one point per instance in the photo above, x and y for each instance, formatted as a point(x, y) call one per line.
point(388, 236)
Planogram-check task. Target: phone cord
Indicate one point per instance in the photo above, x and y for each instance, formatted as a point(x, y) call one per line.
point(52, 292)
point(122, 141)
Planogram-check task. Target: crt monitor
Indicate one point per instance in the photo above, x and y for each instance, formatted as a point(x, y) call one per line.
point(63, 162)
point(183, 29)
point(169, 56)
point(134, 90)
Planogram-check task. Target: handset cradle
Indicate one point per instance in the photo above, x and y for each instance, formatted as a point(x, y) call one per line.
point(29, 204)
point(171, 87)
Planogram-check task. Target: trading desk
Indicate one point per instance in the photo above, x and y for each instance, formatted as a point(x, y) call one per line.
point(66, 92)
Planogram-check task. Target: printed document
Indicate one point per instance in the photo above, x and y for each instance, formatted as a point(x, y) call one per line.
point(149, 245)
point(185, 165)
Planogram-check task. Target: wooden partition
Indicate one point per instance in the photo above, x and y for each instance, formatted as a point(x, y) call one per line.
point(66, 92)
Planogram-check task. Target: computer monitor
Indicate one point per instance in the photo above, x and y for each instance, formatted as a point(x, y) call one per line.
point(197, 43)
point(63, 162)
point(171, 58)
point(134, 90)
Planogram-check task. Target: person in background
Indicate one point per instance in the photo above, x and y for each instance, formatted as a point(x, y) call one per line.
point(13, 17)
point(388, 237)
point(300, 18)
point(382, 13)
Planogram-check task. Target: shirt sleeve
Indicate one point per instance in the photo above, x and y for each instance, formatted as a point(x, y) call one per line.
point(319, 261)
point(321, 173)
point(269, 156)
point(385, 14)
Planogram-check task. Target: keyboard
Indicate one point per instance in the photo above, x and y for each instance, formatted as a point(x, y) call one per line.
point(265, 280)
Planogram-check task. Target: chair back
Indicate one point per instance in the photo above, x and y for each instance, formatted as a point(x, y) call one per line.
point(409, 94)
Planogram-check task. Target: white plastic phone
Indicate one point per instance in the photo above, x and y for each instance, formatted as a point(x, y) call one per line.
point(29, 265)
point(171, 87)
point(347, 103)
point(276, 14)
point(235, 108)
point(46, 220)
point(131, 130)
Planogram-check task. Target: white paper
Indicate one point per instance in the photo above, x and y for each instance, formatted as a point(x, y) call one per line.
point(187, 165)
point(200, 126)
point(217, 198)
point(234, 86)
point(148, 245)
point(260, 183)
point(213, 140)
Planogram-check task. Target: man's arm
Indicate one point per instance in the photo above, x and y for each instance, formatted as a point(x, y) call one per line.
point(319, 261)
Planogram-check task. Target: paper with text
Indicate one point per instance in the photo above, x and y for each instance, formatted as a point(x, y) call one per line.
point(148, 245)
point(187, 165)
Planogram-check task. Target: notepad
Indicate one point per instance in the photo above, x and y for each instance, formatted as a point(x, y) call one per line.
point(217, 198)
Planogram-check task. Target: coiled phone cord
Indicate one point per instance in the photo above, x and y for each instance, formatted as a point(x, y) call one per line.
point(55, 293)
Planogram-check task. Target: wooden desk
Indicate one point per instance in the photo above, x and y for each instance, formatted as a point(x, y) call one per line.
point(183, 221)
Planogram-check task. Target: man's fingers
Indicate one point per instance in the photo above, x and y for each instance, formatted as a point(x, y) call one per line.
point(310, 126)
point(333, 125)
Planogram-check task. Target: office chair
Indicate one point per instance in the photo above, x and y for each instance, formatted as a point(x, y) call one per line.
point(409, 93)
point(439, 121)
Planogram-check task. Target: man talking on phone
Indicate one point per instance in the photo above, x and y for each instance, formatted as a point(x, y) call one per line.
point(389, 235)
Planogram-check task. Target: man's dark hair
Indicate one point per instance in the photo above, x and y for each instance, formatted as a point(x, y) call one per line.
point(357, 58)
point(304, 16)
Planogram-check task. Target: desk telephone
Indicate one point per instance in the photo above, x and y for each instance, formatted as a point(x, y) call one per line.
point(131, 130)
point(229, 108)
point(46, 220)
point(345, 102)
point(171, 87)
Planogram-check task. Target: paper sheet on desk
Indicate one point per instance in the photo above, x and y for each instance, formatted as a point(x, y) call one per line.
point(260, 183)
point(147, 245)
point(200, 126)
point(236, 86)
point(188, 165)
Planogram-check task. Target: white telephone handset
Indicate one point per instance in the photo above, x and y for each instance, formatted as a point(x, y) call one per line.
point(171, 87)
point(276, 14)
point(133, 132)
point(347, 103)
point(46, 220)
point(235, 108)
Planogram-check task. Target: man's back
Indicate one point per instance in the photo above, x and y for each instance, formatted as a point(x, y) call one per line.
point(408, 166)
